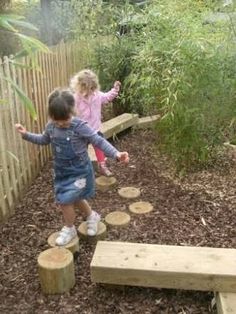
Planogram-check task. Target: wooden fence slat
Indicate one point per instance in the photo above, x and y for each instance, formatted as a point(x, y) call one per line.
point(42, 105)
point(7, 138)
point(3, 204)
point(20, 149)
point(38, 110)
point(45, 91)
point(27, 83)
point(23, 117)
point(17, 179)
point(6, 196)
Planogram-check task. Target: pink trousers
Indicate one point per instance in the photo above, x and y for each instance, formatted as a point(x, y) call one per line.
point(99, 154)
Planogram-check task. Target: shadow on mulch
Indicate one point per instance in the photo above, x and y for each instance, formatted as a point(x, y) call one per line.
point(180, 208)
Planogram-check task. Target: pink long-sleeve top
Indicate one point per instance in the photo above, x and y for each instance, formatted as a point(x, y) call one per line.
point(89, 108)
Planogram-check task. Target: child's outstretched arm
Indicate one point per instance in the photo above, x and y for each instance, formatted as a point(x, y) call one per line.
point(39, 139)
point(92, 137)
point(112, 94)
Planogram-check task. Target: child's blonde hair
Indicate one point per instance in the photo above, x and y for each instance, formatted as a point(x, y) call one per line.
point(85, 82)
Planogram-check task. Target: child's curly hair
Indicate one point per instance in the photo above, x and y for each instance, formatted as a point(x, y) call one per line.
point(85, 82)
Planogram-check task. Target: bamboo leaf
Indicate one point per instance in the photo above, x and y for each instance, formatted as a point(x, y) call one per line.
point(11, 16)
point(33, 43)
point(21, 65)
point(25, 100)
point(13, 156)
point(7, 20)
point(23, 24)
point(3, 101)
point(24, 53)
point(5, 24)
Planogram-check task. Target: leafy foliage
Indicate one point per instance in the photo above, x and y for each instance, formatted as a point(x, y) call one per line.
point(184, 69)
point(29, 46)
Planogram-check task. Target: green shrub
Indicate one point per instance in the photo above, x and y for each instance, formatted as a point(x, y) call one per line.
point(113, 62)
point(186, 70)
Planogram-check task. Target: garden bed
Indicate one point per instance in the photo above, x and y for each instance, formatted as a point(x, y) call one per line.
point(198, 210)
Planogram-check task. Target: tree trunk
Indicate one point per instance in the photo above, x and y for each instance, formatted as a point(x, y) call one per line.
point(46, 28)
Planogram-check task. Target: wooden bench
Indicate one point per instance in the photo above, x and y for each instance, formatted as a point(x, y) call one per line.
point(226, 303)
point(119, 124)
point(163, 266)
point(147, 122)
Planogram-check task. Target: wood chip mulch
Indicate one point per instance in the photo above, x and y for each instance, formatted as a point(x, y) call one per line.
point(198, 210)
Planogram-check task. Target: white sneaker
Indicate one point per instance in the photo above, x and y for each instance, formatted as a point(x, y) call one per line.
point(92, 223)
point(66, 235)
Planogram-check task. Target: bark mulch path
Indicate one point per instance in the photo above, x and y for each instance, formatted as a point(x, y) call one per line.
point(197, 210)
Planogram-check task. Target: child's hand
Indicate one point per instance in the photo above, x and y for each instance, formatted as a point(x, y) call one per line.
point(123, 157)
point(117, 85)
point(20, 128)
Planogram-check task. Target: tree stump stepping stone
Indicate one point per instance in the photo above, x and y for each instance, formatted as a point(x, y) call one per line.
point(117, 218)
point(56, 270)
point(101, 234)
point(129, 192)
point(105, 183)
point(72, 246)
point(140, 207)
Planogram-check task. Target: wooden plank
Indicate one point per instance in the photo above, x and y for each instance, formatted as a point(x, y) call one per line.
point(51, 88)
point(20, 148)
point(4, 211)
point(119, 124)
point(25, 121)
point(163, 266)
point(38, 106)
point(7, 137)
point(14, 137)
point(41, 106)
point(30, 123)
point(44, 95)
point(3, 148)
point(226, 303)
point(147, 122)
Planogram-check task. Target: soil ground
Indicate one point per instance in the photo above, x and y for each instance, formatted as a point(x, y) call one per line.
point(198, 210)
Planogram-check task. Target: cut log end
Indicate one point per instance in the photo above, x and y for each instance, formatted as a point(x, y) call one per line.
point(129, 192)
point(140, 207)
point(105, 183)
point(101, 234)
point(56, 270)
point(117, 218)
point(72, 246)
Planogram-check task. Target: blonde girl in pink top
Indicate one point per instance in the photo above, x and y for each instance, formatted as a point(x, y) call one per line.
point(88, 102)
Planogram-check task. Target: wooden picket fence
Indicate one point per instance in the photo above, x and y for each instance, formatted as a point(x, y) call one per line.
point(21, 161)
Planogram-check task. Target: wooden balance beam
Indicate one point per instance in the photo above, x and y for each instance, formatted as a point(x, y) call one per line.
point(119, 124)
point(163, 266)
point(226, 303)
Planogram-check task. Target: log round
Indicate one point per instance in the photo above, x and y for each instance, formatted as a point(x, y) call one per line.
point(140, 207)
point(117, 218)
point(72, 246)
point(129, 192)
point(101, 234)
point(103, 183)
point(56, 270)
